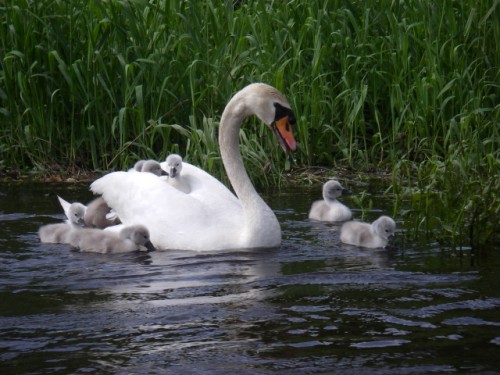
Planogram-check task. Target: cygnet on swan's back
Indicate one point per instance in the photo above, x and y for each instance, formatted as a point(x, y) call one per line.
point(138, 166)
point(130, 238)
point(152, 166)
point(173, 166)
point(330, 209)
point(60, 232)
point(98, 213)
point(376, 234)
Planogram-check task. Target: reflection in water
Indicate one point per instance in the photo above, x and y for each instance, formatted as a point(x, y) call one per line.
point(312, 306)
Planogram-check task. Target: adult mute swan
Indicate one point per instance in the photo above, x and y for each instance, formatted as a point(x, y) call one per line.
point(330, 209)
point(210, 217)
point(376, 234)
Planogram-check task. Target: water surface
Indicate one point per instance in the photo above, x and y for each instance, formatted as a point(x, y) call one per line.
point(311, 306)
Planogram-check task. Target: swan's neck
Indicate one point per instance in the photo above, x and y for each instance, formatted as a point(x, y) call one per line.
point(260, 221)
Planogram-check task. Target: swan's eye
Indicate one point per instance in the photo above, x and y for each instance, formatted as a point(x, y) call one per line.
point(281, 112)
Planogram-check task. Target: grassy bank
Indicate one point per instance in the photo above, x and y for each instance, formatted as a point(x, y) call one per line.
point(411, 87)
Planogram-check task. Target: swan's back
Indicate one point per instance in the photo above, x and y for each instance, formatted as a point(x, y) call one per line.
point(170, 215)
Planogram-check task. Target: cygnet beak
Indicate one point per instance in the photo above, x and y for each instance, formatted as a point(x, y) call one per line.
point(149, 246)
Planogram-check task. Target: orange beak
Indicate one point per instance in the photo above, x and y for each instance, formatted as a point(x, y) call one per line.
point(284, 131)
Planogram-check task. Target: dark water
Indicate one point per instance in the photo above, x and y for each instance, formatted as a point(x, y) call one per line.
point(312, 306)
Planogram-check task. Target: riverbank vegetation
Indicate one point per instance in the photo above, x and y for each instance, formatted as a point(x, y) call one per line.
point(408, 87)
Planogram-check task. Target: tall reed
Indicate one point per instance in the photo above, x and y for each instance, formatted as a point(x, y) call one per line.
point(403, 86)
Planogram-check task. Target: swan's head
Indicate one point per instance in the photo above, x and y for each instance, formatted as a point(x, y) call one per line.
point(153, 167)
point(139, 235)
point(76, 214)
point(385, 227)
point(333, 189)
point(174, 165)
point(273, 109)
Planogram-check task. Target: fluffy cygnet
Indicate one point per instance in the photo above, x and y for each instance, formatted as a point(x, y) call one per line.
point(151, 166)
point(376, 234)
point(60, 232)
point(138, 166)
point(75, 212)
point(99, 215)
point(130, 238)
point(173, 165)
point(330, 209)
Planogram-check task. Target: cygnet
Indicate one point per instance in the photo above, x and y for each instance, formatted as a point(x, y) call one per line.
point(60, 232)
point(151, 166)
point(173, 166)
point(330, 209)
point(376, 234)
point(99, 215)
point(130, 238)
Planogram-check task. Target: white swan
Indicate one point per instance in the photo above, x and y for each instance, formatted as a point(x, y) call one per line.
point(173, 166)
point(60, 232)
point(330, 209)
point(376, 234)
point(210, 217)
point(130, 238)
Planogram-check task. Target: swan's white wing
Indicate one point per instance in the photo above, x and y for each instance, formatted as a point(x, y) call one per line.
point(65, 205)
point(175, 219)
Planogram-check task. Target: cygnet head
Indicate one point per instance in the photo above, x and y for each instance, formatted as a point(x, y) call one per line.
point(139, 235)
point(385, 227)
point(76, 214)
point(153, 167)
point(174, 165)
point(332, 190)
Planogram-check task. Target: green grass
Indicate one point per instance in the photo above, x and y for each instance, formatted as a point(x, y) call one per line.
point(412, 87)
